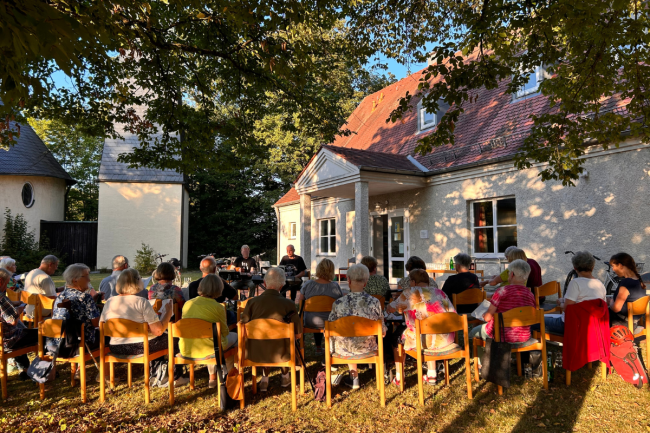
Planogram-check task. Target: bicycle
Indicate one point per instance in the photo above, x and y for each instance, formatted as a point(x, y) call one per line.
point(611, 279)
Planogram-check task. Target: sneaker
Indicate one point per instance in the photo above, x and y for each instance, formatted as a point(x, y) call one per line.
point(286, 380)
point(182, 381)
point(430, 380)
point(264, 384)
point(396, 382)
point(213, 384)
point(351, 382)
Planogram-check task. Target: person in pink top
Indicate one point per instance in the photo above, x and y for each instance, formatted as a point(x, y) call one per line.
point(514, 295)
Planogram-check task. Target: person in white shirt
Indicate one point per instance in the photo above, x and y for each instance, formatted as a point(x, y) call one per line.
point(39, 282)
point(107, 286)
point(585, 287)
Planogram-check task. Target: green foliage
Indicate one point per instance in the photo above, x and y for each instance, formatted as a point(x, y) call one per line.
point(145, 260)
point(80, 155)
point(20, 243)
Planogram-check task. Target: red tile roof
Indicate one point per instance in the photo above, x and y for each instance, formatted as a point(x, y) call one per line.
point(291, 196)
point(370, 159)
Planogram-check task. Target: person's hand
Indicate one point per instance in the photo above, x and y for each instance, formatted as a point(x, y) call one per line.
point(390, 309)
point(484, 283)
point(559, 301)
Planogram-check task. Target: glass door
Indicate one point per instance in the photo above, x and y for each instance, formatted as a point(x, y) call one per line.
point(398, 248)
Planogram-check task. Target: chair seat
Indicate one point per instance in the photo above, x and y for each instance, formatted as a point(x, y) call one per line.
point(353, 357)
point(447, 350)
point(639, 330)
point(523, 344)
point(205, 358)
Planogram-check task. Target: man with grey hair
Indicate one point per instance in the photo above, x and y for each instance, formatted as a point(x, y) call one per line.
point(14, 333)
point(461, 281)
point(39, 282)
point(107, 286)
point(296, 268)
point(209, 266)
point(271, 305)
point(246, 265)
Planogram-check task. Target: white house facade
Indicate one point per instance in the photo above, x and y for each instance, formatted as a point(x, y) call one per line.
point(369, 194)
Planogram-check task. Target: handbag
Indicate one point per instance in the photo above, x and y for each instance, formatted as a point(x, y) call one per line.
point(42, 371)
point(226, 399)
point(496, 359)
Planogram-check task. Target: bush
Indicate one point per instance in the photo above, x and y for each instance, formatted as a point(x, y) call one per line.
point(20, 244)
point(145, 261)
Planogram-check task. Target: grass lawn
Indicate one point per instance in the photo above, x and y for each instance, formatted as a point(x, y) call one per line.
point(589, 405)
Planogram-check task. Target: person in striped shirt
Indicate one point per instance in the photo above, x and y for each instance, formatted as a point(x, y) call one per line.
point(514, 295)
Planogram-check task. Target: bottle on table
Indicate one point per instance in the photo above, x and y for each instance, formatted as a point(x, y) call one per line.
point(451, 264)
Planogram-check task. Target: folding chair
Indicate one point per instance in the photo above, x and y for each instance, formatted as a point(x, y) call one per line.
point(382, 301)
point(53, 328)
point(5, 356)
point(354, 326)
point(266, 329)
point(316, 304)
point(123, 328)
point(548, 289)
point(442, 323)
point(192, 328)
point(521, 316)
point(468, 297)
point(640, 306)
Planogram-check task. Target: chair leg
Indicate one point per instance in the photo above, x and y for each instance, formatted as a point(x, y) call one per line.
point(447, 372)
point(73, 371)
point(82, 378)
point(328, 383)
point(191, 376)
point(500, 389)
point(420, 381)
point(102, 378)
point(544, 370)
point(42, 390)
point(603, 370)
point(382, 385)
point(3, 376)
point(468, 375)
point(377, 375)
point(147, 396)
point(302, 367)
point(294, 392)
point(476, 378)
point(242, 402)
point(519, 364)
point(567, 377)
point(170, 381)
point(401, 382)
point(129, 374)
point(111, 369)
point(254, 369)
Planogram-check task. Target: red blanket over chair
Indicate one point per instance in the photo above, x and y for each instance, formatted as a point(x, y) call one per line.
point(586, 334)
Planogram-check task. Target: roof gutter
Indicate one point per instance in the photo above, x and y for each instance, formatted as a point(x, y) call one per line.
point(392, 170)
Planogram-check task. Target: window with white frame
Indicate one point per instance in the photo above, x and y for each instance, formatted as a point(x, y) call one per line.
point(327, 236)
point(494, 225)
point(292, 230)
point(531, 86)
point(427, 120)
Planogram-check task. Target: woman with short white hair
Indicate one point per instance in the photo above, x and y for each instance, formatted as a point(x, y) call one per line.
point(361, 304)
point(10, 265)
point(82, 306)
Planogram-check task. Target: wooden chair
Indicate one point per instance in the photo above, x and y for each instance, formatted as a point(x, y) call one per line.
point(640, 306)
point(30, 299)
point(123, 328)
point(382, 301)
point(442, 323)
point(521, 316)
point(52, 328)
point(158, 303)
point(47, 302)
point(192, 328)
point(315, 304)
point(5, 356)
point(240, 308)
point(354, 326)
point(468, 297)
point(13, 296)
point(225, 307)
point(266, 329)
point(548, 289)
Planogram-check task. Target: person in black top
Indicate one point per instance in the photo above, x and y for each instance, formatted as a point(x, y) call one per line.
point(294, 267)
point(462, 281)
point(630, 288)
point(209, 266)
point(247, 264)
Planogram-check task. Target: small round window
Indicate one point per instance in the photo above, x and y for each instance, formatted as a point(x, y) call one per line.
point(28, 195)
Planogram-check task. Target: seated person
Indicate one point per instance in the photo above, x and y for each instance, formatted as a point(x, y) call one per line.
point(295, 267)
point(356, 303)
point(514, 295)
point(463, 280)
point(414, 262)
point(271, 305)
point(205, 307)
point(38, 282)
point(630, 289)
point(420, 302)
point(535, 277)
point(209, 266)
point(164, 288)
point(127, 305)
point(10, 265)
point(321, 286)
point(377, 284)
point(585, 287)
point(15, 334)
point(246, 265)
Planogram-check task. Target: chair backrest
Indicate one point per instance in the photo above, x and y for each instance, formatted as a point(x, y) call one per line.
point(28, 298)
point(441, 323)
point(640, 306)
point(468, 297)
point(268, 329)
point(13, 296)
point(353, 326)
point(318, 304)
point(240, 307)
point(191, 328)
point(52, 328)
point(157, 305)
point(46, 302)
point(547, 289)
point(124, 328)
point(382, 301)
point(520, 316)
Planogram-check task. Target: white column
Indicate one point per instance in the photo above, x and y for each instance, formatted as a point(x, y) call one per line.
point(362, 221)
point(305, 229)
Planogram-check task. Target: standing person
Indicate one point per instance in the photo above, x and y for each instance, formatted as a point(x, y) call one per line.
point(39, 282)
point(356, 303)
point(321, 286)
point(377, 284)
point(14, 333)
point(630, 288)
point(165, 288)
point(271, 305)
point(461, 281)
point(208, 266)
point(107, 286)
point(246, 264)
point(298, 270)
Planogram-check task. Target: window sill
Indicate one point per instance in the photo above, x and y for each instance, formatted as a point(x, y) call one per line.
point(292, 239)
point(326, 255)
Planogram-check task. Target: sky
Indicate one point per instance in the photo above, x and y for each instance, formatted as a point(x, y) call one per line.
point(400, 71)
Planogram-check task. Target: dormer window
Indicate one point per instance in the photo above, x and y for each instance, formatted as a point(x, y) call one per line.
point(531, 86)
point(427, 120)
